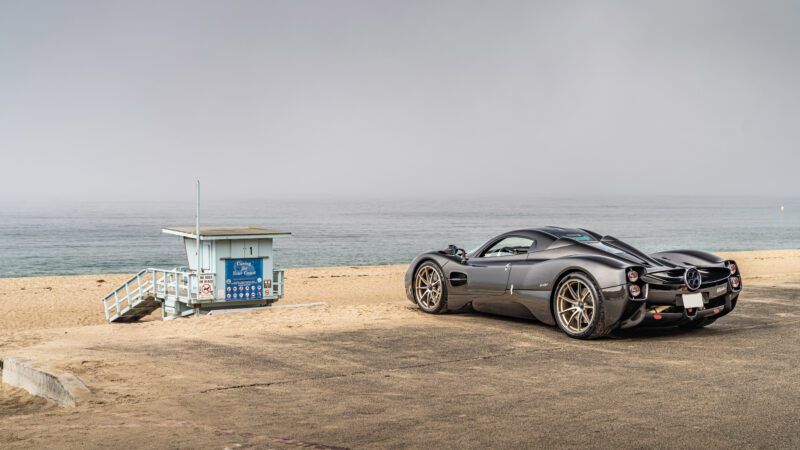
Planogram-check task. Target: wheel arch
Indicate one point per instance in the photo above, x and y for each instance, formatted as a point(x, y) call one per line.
point(439, 260)
point(423, 260)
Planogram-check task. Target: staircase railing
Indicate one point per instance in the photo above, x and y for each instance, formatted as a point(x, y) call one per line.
point(122, 297)
point(177, 283)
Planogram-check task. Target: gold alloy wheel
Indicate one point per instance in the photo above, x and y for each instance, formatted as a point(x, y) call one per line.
point(575, 305)
point(428, 287)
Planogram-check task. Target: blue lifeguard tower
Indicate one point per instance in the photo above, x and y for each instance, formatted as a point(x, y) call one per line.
point(228, 267)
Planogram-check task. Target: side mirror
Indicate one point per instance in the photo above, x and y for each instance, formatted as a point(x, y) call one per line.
point(455, 251)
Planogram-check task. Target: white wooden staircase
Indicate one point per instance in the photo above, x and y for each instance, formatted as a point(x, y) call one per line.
point(144, 293)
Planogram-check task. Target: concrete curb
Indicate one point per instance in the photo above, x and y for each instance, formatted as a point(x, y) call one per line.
point(64, 389)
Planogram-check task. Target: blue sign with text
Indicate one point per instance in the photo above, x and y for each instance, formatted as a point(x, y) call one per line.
point(244, 279)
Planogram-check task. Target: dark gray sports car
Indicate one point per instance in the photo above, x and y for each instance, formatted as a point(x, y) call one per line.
point(585, 283)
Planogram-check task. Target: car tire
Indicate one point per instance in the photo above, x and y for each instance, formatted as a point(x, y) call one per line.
point(430, 288)
point(578, 284)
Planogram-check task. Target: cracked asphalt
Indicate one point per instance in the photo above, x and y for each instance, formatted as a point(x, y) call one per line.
point(452, 381)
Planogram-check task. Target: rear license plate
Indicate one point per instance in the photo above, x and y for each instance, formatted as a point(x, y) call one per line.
point(693, 300)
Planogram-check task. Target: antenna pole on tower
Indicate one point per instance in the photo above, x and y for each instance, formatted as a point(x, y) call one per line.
point(197, 232)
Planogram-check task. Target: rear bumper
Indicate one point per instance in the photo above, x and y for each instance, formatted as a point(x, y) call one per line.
point(664, 305)
point(673, 295)
point(678, 315)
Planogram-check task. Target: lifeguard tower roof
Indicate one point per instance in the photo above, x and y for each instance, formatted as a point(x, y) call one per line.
point(220, 233)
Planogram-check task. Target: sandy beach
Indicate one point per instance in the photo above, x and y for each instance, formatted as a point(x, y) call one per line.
point(36, 303)
point(321, 373)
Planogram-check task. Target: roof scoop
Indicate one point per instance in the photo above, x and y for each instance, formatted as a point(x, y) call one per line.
point(611, 241)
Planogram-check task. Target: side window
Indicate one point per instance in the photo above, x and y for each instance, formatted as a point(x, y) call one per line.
point(510, 246)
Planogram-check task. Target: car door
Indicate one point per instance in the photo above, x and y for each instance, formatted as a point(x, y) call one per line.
point(489, 276)
point(488, 272)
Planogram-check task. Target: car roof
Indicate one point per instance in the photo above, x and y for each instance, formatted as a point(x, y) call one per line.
point(559, 232)
point(553, 232)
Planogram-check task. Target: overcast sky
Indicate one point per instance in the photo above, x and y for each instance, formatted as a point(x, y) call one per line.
point(124, 100)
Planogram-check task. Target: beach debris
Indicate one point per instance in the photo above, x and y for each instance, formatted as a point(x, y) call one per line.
point(100, 281)
point(299, 305)
point(219, 312)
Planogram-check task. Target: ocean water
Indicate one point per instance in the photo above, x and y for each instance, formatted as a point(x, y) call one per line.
point(87, 238)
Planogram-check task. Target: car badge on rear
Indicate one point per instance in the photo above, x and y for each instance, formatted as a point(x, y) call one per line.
point(692, 279)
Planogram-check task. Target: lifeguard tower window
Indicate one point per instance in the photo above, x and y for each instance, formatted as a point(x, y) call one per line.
point(237, 269)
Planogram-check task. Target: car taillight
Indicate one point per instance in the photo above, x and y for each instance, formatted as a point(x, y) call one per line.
point(736, 282)
point(732, 267)
point(633, 276)
point(634, 290)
